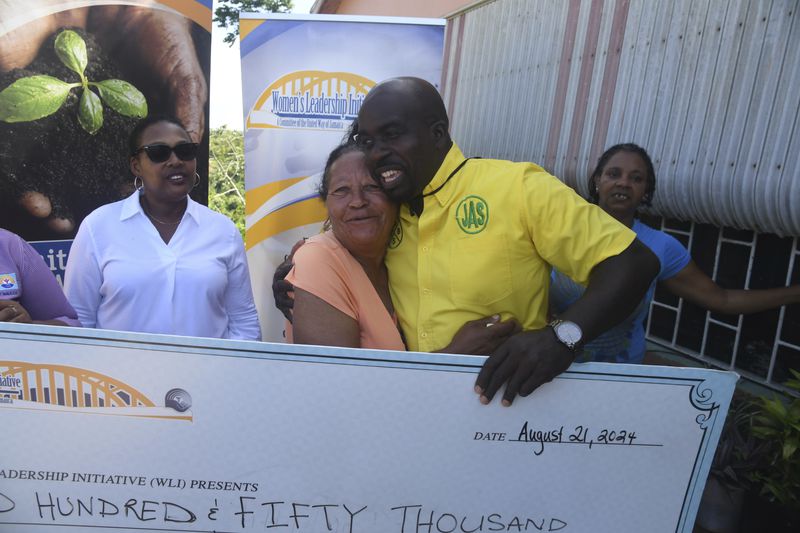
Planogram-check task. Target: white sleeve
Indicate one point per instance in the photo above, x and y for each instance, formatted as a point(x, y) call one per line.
point(242, 315)
point(83, 278)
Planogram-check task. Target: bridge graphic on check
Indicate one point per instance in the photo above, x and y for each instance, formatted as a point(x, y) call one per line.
point(66, 388)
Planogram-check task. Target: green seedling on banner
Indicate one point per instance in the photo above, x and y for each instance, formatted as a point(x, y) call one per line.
point(36, 97)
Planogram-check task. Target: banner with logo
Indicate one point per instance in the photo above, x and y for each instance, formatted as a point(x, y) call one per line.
point(303, 81)
point(122, 431)
point(75, 77)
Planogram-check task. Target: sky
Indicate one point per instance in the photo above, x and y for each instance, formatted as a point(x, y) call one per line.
point(226, 76)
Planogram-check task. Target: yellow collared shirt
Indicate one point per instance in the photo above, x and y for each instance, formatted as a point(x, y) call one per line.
point(484, 245)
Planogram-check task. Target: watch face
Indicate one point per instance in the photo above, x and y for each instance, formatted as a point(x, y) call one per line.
point(569, 333)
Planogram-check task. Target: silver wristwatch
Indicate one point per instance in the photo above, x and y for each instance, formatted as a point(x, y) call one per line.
point(568, 333)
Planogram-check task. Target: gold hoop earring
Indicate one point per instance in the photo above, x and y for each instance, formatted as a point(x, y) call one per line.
point(140, 186)
point(196, 180)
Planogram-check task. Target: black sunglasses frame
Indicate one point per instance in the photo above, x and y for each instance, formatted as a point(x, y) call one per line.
point(160, 153)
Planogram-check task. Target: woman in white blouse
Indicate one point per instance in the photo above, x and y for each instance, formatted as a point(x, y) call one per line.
point(159, 262)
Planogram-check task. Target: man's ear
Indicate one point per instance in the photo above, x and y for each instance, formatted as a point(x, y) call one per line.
point(441, 135)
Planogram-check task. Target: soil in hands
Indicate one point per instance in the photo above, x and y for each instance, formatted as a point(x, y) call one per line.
point(56, 157)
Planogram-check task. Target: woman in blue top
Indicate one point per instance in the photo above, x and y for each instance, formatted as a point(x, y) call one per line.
point(623, 180)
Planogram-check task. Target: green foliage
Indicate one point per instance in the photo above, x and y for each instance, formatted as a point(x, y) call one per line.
point(226, 15)
point(122, 97)
point(36, 97)
point(33, 98)
point(759, 448)
point(226, 174)
point(777, 426)
point(71, 50)
point(90, 112)
point(738, 452)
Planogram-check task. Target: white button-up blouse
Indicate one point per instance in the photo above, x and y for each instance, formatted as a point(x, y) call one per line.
point(122, 276)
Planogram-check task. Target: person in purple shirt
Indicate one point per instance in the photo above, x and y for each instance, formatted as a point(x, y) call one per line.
point(29, 293)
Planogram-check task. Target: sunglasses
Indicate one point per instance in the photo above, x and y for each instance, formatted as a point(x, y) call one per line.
point(158, 153)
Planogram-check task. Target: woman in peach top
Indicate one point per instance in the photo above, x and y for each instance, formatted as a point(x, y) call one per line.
point(341, 286)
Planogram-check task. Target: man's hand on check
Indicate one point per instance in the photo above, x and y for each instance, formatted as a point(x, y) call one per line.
point(524, 362)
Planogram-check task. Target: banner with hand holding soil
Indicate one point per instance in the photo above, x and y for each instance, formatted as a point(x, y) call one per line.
point(74, 80)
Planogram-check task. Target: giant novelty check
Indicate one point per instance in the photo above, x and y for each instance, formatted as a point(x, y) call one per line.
point(106, 431)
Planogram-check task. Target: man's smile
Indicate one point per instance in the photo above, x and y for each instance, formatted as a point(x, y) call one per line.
point(388, 176)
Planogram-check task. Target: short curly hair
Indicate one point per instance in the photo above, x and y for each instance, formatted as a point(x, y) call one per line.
point(339, 151)
point(650, 187)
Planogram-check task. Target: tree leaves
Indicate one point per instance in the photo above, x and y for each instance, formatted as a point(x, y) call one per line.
point(123, 98)
point(226, 175)
point(226, 14)
point(32, 98)
point(776, 424)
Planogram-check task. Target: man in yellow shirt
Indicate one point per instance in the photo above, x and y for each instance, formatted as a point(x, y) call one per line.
point(477, 237)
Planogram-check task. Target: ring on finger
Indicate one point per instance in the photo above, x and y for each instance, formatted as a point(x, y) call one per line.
point(490, 324)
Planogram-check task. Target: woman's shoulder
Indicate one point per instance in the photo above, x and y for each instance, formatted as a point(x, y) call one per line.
point(9, 237)
point(106, 213)
point(665, 246)
point(654, 237)
point(320, 246)
point(11, 244)
point(208, 217)
point(326, 239)
point(323, 255)
point(205, 212)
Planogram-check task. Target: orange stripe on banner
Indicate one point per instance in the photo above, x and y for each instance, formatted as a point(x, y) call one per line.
point(191, 10)
point(255, 198)
point(293, 216)
point(248, 25)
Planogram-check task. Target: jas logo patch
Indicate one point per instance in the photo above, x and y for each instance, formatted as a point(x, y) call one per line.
point(397, 235)
point(472, 214)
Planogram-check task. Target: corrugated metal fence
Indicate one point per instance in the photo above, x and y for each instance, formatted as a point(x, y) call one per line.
point(710, 88)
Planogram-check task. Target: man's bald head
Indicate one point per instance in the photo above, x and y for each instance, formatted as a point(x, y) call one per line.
point(413, 93)
point(403, 126)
